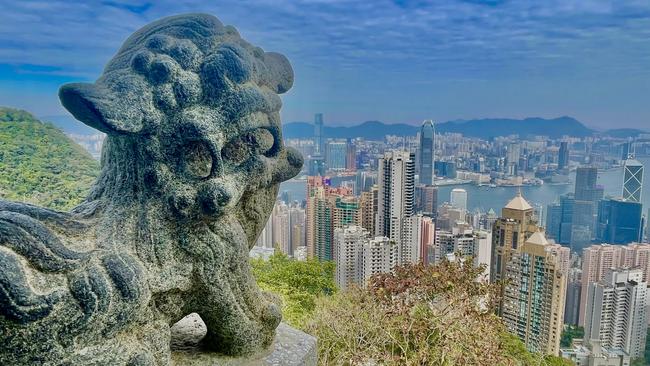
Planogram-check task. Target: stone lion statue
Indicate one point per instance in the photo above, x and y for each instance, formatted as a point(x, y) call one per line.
point(189, 174)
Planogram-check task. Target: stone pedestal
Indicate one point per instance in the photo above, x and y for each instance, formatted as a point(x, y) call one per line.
point(290, 348)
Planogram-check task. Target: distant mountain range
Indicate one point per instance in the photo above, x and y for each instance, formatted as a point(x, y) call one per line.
point(482, 128)
point(376, 130)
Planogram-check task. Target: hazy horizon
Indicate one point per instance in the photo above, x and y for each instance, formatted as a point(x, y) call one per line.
point(397, 61)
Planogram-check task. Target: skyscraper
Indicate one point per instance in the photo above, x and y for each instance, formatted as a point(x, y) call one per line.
point(427, 152)
point(351, 156)
point(328, 208)
point(426, 200)
point(587, 195)
point(534, 294)
point(563, 156)
point(336, 154)
point(368, 203)
point(458, 198)
point(616, 312)
point(416, 248)
point(319, 138)
point(348, 244)
point(553, 221)
point(632, 180)
point(619, 221)
point(396, 180)
point(598, 259)
point(509, 232)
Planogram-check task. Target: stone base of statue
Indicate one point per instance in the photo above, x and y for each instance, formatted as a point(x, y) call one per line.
point(291, 347)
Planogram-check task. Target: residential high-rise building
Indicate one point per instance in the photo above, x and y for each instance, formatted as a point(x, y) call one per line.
point(427, 152)
point(619, 221)
point(534, 294)
point(616, 312)
point(513, 153)
point(464, 243)
point(632, 180)
point(458, 198)
point(380, 255)
point(563, 156)
point(426, 200)
point(368, 203)
point(416, 248)
point(336, 154)
point(509, 232)
point(573, 294)
point(348, 243)
point(328, 208)
point(319, 137)
point(598, 259)
point(359, 257)
point(395, 203)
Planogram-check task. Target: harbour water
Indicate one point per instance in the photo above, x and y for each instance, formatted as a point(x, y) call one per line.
point(485, 197)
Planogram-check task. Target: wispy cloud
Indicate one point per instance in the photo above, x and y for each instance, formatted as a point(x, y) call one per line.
point(399, 43)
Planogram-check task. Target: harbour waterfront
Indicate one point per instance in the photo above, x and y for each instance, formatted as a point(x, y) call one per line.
point(485, 198)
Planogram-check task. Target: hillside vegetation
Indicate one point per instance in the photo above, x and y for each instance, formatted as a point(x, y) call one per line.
point(435, 315)
point(39, 164)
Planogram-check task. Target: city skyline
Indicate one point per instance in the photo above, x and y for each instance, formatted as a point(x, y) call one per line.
point(545, 60)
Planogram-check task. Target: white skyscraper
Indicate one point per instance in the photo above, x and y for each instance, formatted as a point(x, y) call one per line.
point(348, 247)
point(616, 312)
point(458, 198)
point(380, 255)
point(396, 196)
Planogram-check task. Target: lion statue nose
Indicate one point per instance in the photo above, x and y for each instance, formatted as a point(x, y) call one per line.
point(288, 167)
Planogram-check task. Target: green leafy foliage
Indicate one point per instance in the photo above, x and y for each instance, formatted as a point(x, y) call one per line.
point(298, 283)
point(39, 164)
point(569, 333)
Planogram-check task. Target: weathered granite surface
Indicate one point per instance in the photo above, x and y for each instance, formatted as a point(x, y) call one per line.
point(190, 171)
point(291, 347)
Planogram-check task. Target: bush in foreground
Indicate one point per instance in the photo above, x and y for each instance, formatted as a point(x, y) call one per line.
point(420, 315)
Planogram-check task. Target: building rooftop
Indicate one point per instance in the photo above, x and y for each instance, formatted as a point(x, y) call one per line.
point(519, 203)
point(537, 238)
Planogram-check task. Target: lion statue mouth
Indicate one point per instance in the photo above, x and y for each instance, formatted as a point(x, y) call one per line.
point(190, 171)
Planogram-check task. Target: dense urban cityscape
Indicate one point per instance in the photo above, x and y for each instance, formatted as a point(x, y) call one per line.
point(324, 183)
point(582, 259)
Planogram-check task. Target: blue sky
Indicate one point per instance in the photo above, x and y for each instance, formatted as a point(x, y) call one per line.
point(394, 61)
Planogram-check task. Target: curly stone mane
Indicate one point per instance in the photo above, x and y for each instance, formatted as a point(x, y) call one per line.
point(190, 171)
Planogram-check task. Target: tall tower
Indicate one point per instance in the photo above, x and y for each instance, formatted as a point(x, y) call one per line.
point(458, 198)
point(319, 138)
point(427, 152)
point(509, 232)
point(632, 180)
point(587, 195)
point(563, 157)
point(535, 293)
point(396, 196)
point(396, 178)
point(348, 244)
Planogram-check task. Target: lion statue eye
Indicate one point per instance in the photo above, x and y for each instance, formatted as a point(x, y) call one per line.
point(256, 142)
point(197, 160)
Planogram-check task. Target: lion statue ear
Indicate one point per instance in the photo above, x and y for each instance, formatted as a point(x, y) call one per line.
point(100, 109)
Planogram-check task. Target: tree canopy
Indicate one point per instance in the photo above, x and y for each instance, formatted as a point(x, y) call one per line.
point(39, 164)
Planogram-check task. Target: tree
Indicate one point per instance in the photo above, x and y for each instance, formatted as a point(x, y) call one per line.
point(298, 283)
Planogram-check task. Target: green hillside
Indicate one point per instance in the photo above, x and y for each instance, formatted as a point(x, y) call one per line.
point(39, 164)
